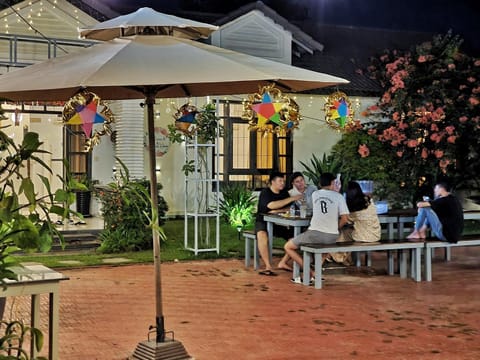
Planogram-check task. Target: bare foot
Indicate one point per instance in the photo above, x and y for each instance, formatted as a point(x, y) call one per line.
point(422, 235)
point(284, 266)
point(414, 235)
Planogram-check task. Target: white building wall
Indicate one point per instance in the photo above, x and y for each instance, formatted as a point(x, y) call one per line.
point(257, 35)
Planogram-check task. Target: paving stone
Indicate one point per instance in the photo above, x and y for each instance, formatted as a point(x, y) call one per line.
point(116, 260)
point(220, 310)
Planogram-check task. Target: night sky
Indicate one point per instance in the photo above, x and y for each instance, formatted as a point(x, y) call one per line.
point(437, 16)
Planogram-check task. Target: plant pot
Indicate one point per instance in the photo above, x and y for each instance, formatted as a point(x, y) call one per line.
point(83, 202)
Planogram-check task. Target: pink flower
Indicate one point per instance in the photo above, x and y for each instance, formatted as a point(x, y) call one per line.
point(476, 90)
point(438, 153)
point(422, 59)
point(471, 79)
point(450, 129)
point(395, 116)
point(372, 131)
point(451, 66)
point(473, 101)
point(461, 87)
point(399, 153)
point(363, 150)
point(451, 139)
point(463, 119)
point(434, 127)
point(477, 63)
point(412, 143)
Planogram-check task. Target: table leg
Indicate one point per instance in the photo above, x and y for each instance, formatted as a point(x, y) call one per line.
point(54, 324)
point(35, 320)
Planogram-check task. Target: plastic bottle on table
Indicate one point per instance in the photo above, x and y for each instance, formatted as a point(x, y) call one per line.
point(292, 209)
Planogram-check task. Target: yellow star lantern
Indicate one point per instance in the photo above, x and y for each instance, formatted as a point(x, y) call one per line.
point(269, 111)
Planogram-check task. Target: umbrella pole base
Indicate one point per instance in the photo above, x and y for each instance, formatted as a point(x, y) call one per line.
point(151, 350)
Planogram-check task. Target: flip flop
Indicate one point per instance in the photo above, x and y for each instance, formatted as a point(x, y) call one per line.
point(267, 273)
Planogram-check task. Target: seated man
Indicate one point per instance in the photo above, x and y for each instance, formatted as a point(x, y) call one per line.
point(329, 215)
point(444, 216)
point(273, 199)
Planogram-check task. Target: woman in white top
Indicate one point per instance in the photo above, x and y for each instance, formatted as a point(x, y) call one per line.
point(363, 221)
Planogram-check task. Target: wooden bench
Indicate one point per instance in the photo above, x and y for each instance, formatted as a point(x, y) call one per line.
point(317, 250)
point(430, 245)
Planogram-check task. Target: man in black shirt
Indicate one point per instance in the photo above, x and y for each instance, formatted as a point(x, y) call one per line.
point(273, 199)
point(444, 216)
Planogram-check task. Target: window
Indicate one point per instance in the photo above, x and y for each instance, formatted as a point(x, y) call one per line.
point(249, 156)
point(76, 155)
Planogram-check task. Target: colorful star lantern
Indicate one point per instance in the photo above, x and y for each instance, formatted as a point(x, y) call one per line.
point(269, 111)
point(86, 109)
point(339, 112)
point(185, 116)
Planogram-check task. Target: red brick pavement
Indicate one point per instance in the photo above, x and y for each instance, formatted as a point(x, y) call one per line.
point(220, 310)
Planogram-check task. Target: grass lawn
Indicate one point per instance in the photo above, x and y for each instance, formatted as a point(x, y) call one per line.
point(171, 250)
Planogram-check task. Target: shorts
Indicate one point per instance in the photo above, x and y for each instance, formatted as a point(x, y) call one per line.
point(278, 230)
point(315, 237)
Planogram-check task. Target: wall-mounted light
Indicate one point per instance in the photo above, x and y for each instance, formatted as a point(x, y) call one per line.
point(17, 117)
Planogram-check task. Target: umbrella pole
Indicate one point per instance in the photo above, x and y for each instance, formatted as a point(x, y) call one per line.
point(159, 319)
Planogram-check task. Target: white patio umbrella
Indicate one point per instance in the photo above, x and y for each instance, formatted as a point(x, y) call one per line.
point(147, 20)
point(150, 67)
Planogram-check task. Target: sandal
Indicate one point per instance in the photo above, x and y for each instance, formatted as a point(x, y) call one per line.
point(267, 273)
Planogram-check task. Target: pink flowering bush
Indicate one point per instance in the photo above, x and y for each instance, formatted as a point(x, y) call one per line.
point(429, 113)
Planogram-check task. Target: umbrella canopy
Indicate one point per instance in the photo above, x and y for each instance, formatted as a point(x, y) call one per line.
point(170, 67)
point(147, 20)
point(155, 66)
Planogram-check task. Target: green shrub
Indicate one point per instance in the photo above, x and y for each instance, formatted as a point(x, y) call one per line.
point(126, 209)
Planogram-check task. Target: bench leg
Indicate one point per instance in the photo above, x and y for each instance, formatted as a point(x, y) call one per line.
point(428, 264)
point(418, 264)
point(391, 262)
point(318, 271)
point(247, 252)
point(306, 268)
point(368, 258)
point(448, 254)
point(403, 263)
point(412, 263)
point(358, 259)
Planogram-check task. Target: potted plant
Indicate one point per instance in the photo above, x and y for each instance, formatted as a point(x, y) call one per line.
point(83, 192)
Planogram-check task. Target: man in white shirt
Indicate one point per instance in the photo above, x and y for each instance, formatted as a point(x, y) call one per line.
point(329, 216)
